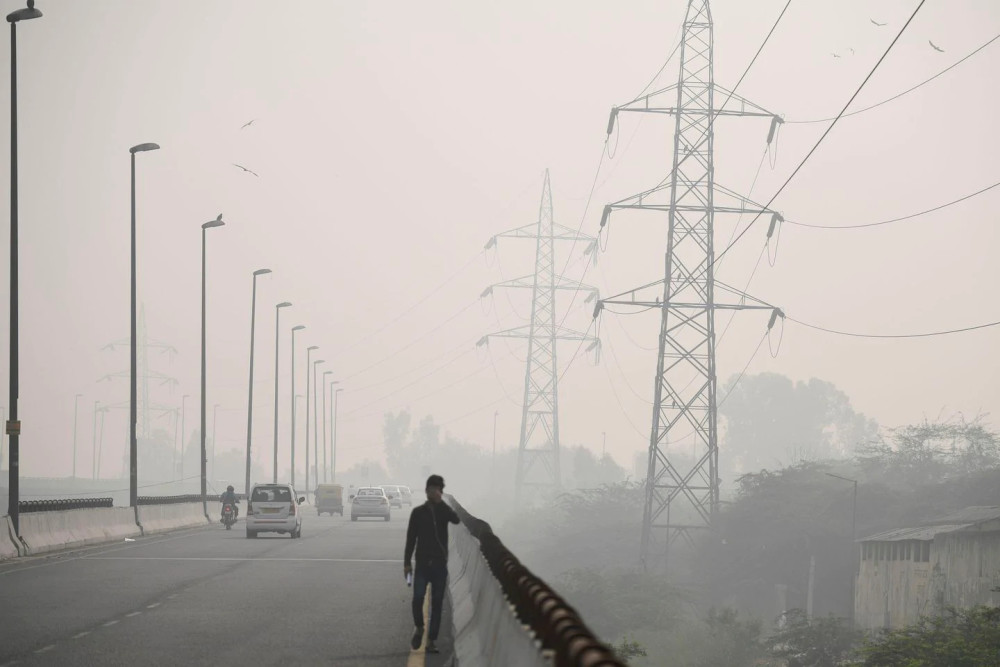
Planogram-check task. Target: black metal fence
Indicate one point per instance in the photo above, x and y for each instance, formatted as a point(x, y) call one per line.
point(189, 498)
point(54, 505)
point(555, 623)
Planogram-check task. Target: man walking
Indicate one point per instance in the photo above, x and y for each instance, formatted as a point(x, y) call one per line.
point(428, 532)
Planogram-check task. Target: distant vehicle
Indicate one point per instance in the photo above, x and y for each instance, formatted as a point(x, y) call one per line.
point(370, 501)
point(393, 493)
point(228, 515)
point(330, 499)
point(406, 495)
point(273, 508)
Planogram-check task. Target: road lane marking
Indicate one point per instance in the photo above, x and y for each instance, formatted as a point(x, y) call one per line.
point(134, 613)
point(46, 649)
point(110, 623)
point(230, 560)
point(153, 606)
point(418, 658)
point(80, 634)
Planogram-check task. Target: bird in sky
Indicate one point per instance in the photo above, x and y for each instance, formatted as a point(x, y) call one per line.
point(876, 22)
point(248, 123)
point(249, 171)
point(851, 50)
point(934, 46)
point(835, 55)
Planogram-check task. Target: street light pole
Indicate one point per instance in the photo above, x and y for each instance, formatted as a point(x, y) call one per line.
point(295, 412)
point(253, 319)
point(13, 426)
point(204, 404)
point(183, 416)
point(215, 422)
point(309, 351)
point(294, 329)
point(333, 427)
point(325, 463)
point(854, 533)
point(277, 358)
point(93, 448)
point(493, 465)
point(315, 420)
point(76, 409)
point(133, 446)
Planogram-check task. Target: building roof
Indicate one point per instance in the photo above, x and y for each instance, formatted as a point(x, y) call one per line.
point(956, 521)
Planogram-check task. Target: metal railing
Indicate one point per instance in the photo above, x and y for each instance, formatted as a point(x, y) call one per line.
point(555, 623)
point(58, 504)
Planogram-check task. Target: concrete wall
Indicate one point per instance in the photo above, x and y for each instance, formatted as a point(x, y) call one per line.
point(970, 567)
point(486, 630)
point(9, 545)
point(42, 532)
point(891, 593)
point(162, 518)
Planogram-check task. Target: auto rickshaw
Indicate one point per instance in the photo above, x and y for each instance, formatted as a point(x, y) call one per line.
point(330, 499)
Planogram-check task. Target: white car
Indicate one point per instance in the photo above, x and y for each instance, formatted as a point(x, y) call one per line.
point(370, 501)
point(274, 508)
point(394, 494)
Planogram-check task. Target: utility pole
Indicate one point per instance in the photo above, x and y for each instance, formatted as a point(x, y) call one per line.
point(682, 498)
point(493, 464)
point(76, 409)
point(309, 351)
point(539, 440)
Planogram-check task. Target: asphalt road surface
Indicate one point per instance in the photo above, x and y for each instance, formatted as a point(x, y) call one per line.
point(208, 596)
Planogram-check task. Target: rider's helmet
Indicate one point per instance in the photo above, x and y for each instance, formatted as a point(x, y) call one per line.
point(229, 488)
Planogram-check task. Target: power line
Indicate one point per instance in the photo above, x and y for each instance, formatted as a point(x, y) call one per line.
point(908, 90)
point(907, 335)
point(905, 217)
point(767, 206)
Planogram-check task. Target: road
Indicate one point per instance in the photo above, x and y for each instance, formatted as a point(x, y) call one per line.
point(207, 596)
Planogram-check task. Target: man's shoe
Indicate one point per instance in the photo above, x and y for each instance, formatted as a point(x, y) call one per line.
point(418, 636)
point(431, 646)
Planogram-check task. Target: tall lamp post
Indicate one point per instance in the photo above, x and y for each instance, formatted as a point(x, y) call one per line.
point(309, 351)
point(333, 421)
point(204, 409)
point(133, 351)
point(93, 448)
point(184, 399)
point(325, 463)
point(315, 419)
point(253, 319)
point(493, 465)
point(854, 534)
point(13, 426)
point(295, 412)
point(76, 409)
point(215, 422)
point(277, 358)
point(294, 329)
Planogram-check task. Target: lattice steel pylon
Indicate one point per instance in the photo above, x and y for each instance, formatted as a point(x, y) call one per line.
point(539, 440)
point(682, 497)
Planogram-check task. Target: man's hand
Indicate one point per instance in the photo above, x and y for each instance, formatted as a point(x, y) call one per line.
point(407, 570)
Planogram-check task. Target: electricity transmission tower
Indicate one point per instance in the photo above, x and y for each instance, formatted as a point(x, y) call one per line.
point(538, 447)
point(682, 494)
point(145, 407)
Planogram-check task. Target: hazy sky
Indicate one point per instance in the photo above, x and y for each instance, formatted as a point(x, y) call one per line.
point(393, 139)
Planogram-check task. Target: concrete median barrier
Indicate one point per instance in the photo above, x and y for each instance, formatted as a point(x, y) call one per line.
point(8, 541)
point(161, 518)
point(487, 631)
point(63, 529)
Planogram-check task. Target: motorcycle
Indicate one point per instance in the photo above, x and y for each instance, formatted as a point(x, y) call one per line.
point(228, 515)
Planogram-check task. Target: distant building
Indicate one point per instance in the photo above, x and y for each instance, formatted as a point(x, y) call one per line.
point(911, 572)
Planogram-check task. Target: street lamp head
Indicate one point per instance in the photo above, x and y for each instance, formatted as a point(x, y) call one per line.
point(338, 390)
point(137, 148)
point(284, 304)
point(313, 347)
point(24, 14)
point(325, 373)
point(260, 272)
point(298, 328)
point(214, 223)
point(318, 361)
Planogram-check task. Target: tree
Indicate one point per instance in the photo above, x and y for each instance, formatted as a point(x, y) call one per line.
point(957, 638)
point(771, 421)
point(820, 642)
point(735, 642)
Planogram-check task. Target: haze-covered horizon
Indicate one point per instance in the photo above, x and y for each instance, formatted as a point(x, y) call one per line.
point(392, 140)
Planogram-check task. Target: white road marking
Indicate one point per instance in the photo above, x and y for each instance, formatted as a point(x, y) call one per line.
point(229, 560)
point(134, 613)
point(80, 634)
point(153, 606)
point(110, 623)
point(46, 649)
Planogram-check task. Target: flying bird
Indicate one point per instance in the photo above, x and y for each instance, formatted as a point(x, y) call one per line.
point(247, 124)
point(934, 46)
point(249, 171)
point(835, 55)
point(877, 23)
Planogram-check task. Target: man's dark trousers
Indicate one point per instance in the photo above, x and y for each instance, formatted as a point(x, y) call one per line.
point(437, 576)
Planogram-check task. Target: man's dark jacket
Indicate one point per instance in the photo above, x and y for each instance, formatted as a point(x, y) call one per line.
point(428, 532)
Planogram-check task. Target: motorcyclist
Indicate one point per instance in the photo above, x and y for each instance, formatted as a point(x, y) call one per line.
point(230, 497)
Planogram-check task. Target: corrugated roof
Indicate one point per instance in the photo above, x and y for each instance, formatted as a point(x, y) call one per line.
point(960, 520)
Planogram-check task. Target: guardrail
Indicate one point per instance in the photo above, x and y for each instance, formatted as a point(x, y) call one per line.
point(555, 623)
point(57, 504)
point(189, 498)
